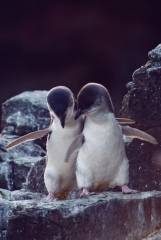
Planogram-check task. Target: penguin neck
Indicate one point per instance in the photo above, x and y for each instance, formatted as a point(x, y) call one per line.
point(70, 122)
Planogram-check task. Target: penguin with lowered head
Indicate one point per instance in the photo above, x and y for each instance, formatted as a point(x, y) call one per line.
point(59, 175)
point(102, 160)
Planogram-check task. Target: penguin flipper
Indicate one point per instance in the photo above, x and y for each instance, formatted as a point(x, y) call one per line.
point(74, 148)
point(136, 133)
point(28, 137)
point(125, 121)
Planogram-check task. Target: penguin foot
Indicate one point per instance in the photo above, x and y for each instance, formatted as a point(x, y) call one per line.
point(84, 193)
point(51, 197)
point(126, 190)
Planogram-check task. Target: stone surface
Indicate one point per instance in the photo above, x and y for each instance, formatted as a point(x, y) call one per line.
point(154, 236)
point(35, 177)
point(20, 195)
point(25, 112)
point(143, 100)
point(155, 54)
point(143, 104)
point(145, 175)
point(16, 162)
point(104, 216)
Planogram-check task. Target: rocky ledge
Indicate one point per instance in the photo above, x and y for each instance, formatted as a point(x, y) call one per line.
point(24, 211)
point(104, 216)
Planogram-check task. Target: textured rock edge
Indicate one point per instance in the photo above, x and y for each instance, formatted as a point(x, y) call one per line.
point(134, 217)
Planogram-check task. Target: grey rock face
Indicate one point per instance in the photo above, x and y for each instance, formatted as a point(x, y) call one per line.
point(155, 54)
point(143, 104)
point(19, 195)
point(16, 163)
point(35, 177)
point(104, 216)
point(143, 100)
point(21, 114)
point(25, 112)
point(154, 236)
point(144, 174)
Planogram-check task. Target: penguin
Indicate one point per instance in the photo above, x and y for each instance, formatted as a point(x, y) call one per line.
point(101, 162)
point(59, 175)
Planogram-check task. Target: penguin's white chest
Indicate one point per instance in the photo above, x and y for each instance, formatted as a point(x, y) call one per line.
point(101, 155)
point(57, 145)
point(59, 174)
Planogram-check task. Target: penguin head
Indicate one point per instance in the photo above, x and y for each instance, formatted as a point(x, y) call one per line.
point(93, 98)
point(61, 103)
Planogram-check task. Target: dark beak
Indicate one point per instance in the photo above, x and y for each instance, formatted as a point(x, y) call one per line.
point(78, 113)
point(62, 121)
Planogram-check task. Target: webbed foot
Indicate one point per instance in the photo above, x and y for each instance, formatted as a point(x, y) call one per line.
point(126, 190)
point(85, 193)
point(51, 197)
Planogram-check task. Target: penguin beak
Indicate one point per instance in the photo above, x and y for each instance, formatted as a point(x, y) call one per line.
point(62, 120)
point(78, 113)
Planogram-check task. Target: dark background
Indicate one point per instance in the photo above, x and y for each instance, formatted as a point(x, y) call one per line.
point(55, 43)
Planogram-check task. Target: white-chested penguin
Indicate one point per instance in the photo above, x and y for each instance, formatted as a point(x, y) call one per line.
point(102, 160)
point(59, 175)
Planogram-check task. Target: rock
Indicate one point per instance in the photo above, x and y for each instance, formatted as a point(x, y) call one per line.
point(6, 176)
point(144, 174)
point(35, 177)
point(155, 54)
point(143, 100)
point(19, 195)
point(143, 104)
point(5, 212)
point(154, 236)
point(21, 114)
point(25, 112)
point(26, 195)
point(104, 216)
point(16, 163)
point(5, 194)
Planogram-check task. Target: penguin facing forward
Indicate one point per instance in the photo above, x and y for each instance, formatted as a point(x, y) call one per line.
point(59, 175)
point(102, 160)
